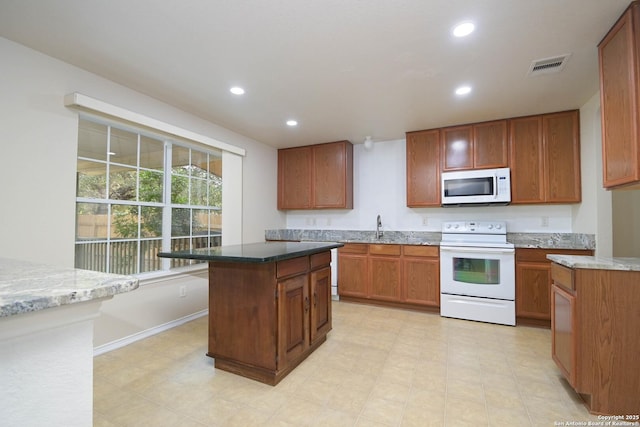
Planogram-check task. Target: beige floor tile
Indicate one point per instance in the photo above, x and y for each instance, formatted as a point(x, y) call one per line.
point(387, 388)
point(384, 411)
point(427, 399)
point(348, 399)
point(214, 411)
point(301, 413)
point(335, 418)
point(423, 415)
point(460, 412)
point(139, 412)
point(509, 417)
point(459, 389)
point(503, 398)
point(248, 417)
point(379, 367)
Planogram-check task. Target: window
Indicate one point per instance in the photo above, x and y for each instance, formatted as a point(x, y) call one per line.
point(138, 194)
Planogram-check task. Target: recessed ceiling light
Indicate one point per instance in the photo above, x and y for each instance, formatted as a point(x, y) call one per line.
point(292, 123)
point(463, 90)
point(463, 29)
point(237, 90)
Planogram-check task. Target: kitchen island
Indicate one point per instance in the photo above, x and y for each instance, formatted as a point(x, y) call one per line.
point(269, 305)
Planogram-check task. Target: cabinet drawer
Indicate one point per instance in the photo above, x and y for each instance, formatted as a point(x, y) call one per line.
point(321, 259)
point(531, 255)
point(426, 251)
point(353, 248)
point(540, 255)
point(384, 250)
point(563, 276)
point(292, 266)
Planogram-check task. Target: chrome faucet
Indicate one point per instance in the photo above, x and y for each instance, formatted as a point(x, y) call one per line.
point(379, 228)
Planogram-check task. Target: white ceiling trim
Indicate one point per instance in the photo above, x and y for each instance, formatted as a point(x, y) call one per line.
point(78, 101)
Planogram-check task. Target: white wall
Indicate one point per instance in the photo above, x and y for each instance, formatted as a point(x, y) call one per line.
point(626, 229)
point(593, 215)
point(380, 188)
point(37, 170)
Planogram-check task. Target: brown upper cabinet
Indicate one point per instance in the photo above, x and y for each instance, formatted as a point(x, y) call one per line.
point(619, 59)
point(423, 168)
point(543, 152)
point(477, 146)
point(316, 176)
point(545, 158)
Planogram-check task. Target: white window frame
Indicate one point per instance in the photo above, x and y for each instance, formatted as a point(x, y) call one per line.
point(231, 162)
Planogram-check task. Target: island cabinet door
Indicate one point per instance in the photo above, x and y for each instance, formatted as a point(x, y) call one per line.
point(293, 319)
point(320, 303)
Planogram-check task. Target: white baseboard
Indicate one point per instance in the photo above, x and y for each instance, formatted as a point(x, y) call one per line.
point(105, 348)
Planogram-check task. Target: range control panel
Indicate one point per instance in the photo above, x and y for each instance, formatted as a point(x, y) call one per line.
point(475, 227)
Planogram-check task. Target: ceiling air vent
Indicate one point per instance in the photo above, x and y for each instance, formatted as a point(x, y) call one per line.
point(548, 65)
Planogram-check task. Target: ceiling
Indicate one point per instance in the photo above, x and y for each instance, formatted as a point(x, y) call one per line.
point(344, 69)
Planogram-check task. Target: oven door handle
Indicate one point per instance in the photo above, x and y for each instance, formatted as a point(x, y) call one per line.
point(477, 250)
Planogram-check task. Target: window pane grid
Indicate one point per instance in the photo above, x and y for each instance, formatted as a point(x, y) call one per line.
point(123, 209)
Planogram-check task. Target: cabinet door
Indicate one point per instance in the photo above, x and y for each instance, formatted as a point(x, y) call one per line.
point(527, 160)
point(385, 278)
point(533, 289)
point(320, 303)
point(352, 274)
point(423, 168)
point(422, 281)
point(294, 178)
point(490, 145)
point(293, 318)
point(563, 332)
point(618, 57)
point(333, 175)
point(562, 162)
point(457, 148)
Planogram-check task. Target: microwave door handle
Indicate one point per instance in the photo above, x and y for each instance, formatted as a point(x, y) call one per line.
point(495, 186)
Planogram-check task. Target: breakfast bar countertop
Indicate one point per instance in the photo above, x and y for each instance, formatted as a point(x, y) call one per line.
point(597, 262)
point(254, 252)
point(27, 287)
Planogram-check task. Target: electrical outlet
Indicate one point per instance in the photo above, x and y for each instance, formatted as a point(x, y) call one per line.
point(425, 220)
point(183, 291)
point(544, 221)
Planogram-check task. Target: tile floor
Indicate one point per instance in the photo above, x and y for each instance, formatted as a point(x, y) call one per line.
point(378, 367)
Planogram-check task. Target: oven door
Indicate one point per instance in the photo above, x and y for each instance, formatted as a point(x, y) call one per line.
point(478, 272)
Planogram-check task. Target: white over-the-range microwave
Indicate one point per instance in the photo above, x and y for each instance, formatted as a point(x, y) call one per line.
point(480, 187)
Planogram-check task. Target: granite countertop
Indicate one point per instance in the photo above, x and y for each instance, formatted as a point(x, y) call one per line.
point(596, 262)
point(254, 252)
point(520, 240)
point(26, 287)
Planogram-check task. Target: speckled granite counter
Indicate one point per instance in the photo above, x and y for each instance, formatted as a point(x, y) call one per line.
point(520, 240)
point(27, 287)
point(356, 236)
point(553, 240)
point(46, 341)
point(596, 262)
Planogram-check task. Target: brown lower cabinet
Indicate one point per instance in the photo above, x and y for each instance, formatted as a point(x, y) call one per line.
point(533, 284)
point(388, 274)
point(265, 318)
point(594, 336)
